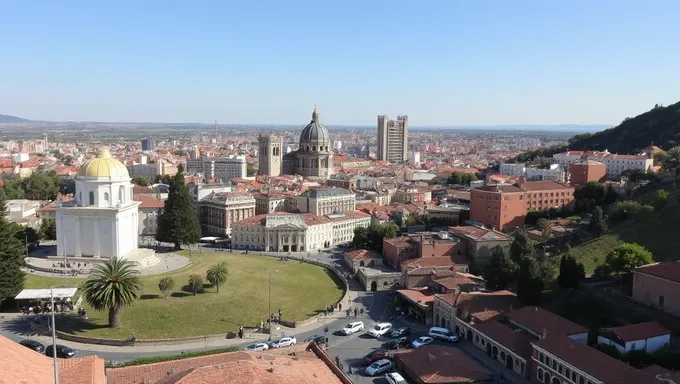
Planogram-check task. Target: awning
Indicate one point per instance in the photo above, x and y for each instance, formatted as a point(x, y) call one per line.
point(33, 294)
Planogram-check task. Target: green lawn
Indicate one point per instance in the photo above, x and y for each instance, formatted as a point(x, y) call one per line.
point(300, 290)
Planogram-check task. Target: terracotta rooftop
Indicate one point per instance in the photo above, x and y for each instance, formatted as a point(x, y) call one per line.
point(484, 306)
point(517, 341)
point(499, 189)
point(434, 364)
point(640, 331)
point(422, 297)
point(362, 254)
point(539, 321)
point(669, 270)
point(149, 202)
point(597, 364)
point(428, 262)
point(478, 234)
point(455, 281)
point(545, 185)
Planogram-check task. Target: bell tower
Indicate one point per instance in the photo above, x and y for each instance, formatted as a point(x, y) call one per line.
point(270, 155)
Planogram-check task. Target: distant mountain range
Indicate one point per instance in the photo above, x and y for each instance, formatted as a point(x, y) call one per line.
point(11, 119)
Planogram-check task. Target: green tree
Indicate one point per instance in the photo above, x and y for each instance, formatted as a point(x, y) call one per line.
point(217, 275)
point(461, 178)
point(360, 237)
point(372, 237)
point(166, 285)
point(571, 272)
point(178, 224)
point(521, 246)
point(48, 229)
point(591, 194)
point(12, 188)
point(660, 199)
point(163, 179)
point(251, 170)
point(41, 185)
point(628, 256)
point(27, 235)
point(501, 270)
point(195, 284)
point(672, 161)
point(113, 285)
point(142, 181)
point(67, 186)
point(598, 225)
point(11, 256)
point(529, 283)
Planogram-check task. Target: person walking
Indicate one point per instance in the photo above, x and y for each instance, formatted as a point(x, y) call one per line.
point(337, 361)
point(356, 311)
point(134, 339)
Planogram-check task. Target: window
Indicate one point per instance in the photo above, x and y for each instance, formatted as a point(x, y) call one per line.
point(539, 374)
point(581, 380)
point(91, 198)
point(541, 357)
point(661, 300)
point(106, 197)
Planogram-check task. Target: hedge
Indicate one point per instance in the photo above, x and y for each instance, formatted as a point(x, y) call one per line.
point(160, 359)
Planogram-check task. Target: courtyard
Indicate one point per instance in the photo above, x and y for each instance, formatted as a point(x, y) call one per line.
point(299, 290)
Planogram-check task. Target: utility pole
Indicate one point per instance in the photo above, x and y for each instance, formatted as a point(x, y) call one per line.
point(54, 339)
point(270, 306)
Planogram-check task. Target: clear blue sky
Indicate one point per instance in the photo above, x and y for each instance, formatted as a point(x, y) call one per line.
point(449, 62)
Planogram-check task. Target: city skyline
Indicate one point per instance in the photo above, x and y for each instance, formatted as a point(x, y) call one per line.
point(448, 64)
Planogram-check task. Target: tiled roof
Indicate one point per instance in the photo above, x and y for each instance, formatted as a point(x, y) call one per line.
point(597, 364)
point(669, 270)
point(83, 370)
point(486, 305)
point(362, 254)
point(434, 364)
point(428, 262)
point(478, 234)
point(422, 297)
point(499, 189)
point(640, 331)
point(516, 341)
point(327, 192)
point(149, 202)
point(539, 320)
point(544, 185)
point(455, 281)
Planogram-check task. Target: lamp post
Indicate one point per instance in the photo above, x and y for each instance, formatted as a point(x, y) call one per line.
point(271, 320)
point(54, 339)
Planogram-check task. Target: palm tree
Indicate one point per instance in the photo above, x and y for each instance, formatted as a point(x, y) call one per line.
point(113, 285)
point(166, 285)
point(217, 275)
point(195, 283)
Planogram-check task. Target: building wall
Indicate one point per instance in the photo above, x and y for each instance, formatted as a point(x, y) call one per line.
point(440, 248)
point(393, 139)
point(270, 155)
point(394, 254)
point(583, 173)
point(657, 292)
point(480, 251)
point(497, 210)
point(444, 314)
point(548, 368)
point(494, 350)
point(540, 200)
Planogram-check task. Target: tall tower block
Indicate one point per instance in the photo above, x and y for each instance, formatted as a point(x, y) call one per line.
point(270, 155)
point(393, 139)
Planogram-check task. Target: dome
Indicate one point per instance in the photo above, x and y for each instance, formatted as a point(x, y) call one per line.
point(315, 132)
point(104, 166)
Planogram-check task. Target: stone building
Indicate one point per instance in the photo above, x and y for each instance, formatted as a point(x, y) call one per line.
point(270, 155)
point(325, 201)
point(219, 211)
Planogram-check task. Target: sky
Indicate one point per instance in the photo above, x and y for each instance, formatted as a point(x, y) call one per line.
point(443, 63)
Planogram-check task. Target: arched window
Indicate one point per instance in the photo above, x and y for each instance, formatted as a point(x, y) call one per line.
point(106, 197)
point(313, 148)
point(308, 148)
point(121, 193)
point(91, 198)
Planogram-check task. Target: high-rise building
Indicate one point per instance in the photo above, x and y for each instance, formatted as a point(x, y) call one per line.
point(270, 155)
point(148, 144)
point(393, 139)
point(224, 168)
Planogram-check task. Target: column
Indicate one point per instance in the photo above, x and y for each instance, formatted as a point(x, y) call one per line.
point(96, 238)
point(114, 236)
point(266, 240)
point(78, 234)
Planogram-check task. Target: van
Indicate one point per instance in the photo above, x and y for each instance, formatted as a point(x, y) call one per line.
point(395, 378)
point(440, 333)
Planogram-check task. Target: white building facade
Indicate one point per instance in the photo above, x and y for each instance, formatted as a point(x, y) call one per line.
point(325, 201)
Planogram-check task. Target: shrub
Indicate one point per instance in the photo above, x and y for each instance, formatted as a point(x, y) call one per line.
point(609, 349)
point(160, 359)
point(667, 358)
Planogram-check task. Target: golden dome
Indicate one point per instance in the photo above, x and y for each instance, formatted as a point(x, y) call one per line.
point(104, 166)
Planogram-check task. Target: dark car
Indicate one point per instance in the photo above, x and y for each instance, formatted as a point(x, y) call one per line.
point(319, 340)
point(376, 355)
point(34, 345)
point(399, 332)
point(63, 352)
point(402, 342)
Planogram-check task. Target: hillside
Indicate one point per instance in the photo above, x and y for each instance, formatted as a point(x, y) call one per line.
point(657, 232)
point(11, 119)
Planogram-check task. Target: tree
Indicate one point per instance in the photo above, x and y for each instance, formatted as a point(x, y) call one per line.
point(12, 188)
point(141, 181)
point(627, 257)
point(113, 285)
point(461, 178)
point(41, 185)
point(501, 270)
point(166, 285)
point(672, 161)
point(571, 272)
point(251, 170)
point(372, 237)
point(48, 229)
point(195, 284)
point(11, 256)
point(529, 284)
point(178, 223)
point(598, 225)
point(660, 199)
point(521, 246)
point(217, 275)
point(27, 235)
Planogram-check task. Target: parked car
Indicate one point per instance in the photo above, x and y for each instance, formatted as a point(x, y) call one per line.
point(399, 332)
point(34, 345)
point(257, 347)
point(395, 378)
point(441, 333)
point(380, 330)
point(353, 327)
point(378, 354)
point(421, 341)
point(283, 342)
point(379, 367)
point(399, 343)
point(63, 352)
point(316, 340)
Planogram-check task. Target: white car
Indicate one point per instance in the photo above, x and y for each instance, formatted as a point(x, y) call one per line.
point(379, 367)
point(353, 328)
point(283, 342)
point(258, 347)
point(380, 330)
point(421, 341)
point(395, 378)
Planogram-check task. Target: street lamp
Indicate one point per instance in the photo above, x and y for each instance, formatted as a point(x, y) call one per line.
point(54, 339)
point(271, 320)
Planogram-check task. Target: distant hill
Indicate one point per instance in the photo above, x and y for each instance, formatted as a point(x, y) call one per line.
point(11, 119)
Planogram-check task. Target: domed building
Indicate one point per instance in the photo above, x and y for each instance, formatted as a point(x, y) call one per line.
point(314, 157)
point(103, 219)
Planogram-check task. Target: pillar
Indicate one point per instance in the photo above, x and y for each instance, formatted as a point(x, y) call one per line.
point(78, 234)
point(96, 238)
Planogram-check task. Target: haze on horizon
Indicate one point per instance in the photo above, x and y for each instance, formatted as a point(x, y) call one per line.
point(444, 63)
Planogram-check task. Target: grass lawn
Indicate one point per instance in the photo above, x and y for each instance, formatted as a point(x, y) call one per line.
point(300, 290)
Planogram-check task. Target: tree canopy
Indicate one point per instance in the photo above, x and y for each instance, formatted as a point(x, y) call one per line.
point(178, 224)
point(530, 283)
point(251, 170)
point(372, 237)
point(598, 225)
point(501, 270)
point(113, 285)
point(11, 256)
point(461, 178)
point(142, 181)
point(571, 271)
point(521, 246)
point(628, 256)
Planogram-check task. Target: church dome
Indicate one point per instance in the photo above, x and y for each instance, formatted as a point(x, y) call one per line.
point(104, 166)
point(315, 132)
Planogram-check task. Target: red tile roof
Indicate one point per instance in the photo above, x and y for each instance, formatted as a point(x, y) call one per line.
point(597, 364)
point(428, 262)
point(540, 321)
point(455, 281)
point(640, 331)
point(422, 297)
point(362, 254)
point(669, 270)
point(478, 234)
point(149, 202)
point(485, 305)
point(516, 341)
point(545, 185)
point(433, 364)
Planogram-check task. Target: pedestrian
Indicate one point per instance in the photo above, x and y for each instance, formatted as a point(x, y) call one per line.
point(326, 341)
point(337, 361)
point(339, 306)
point(356, 311)
point(134, 339)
